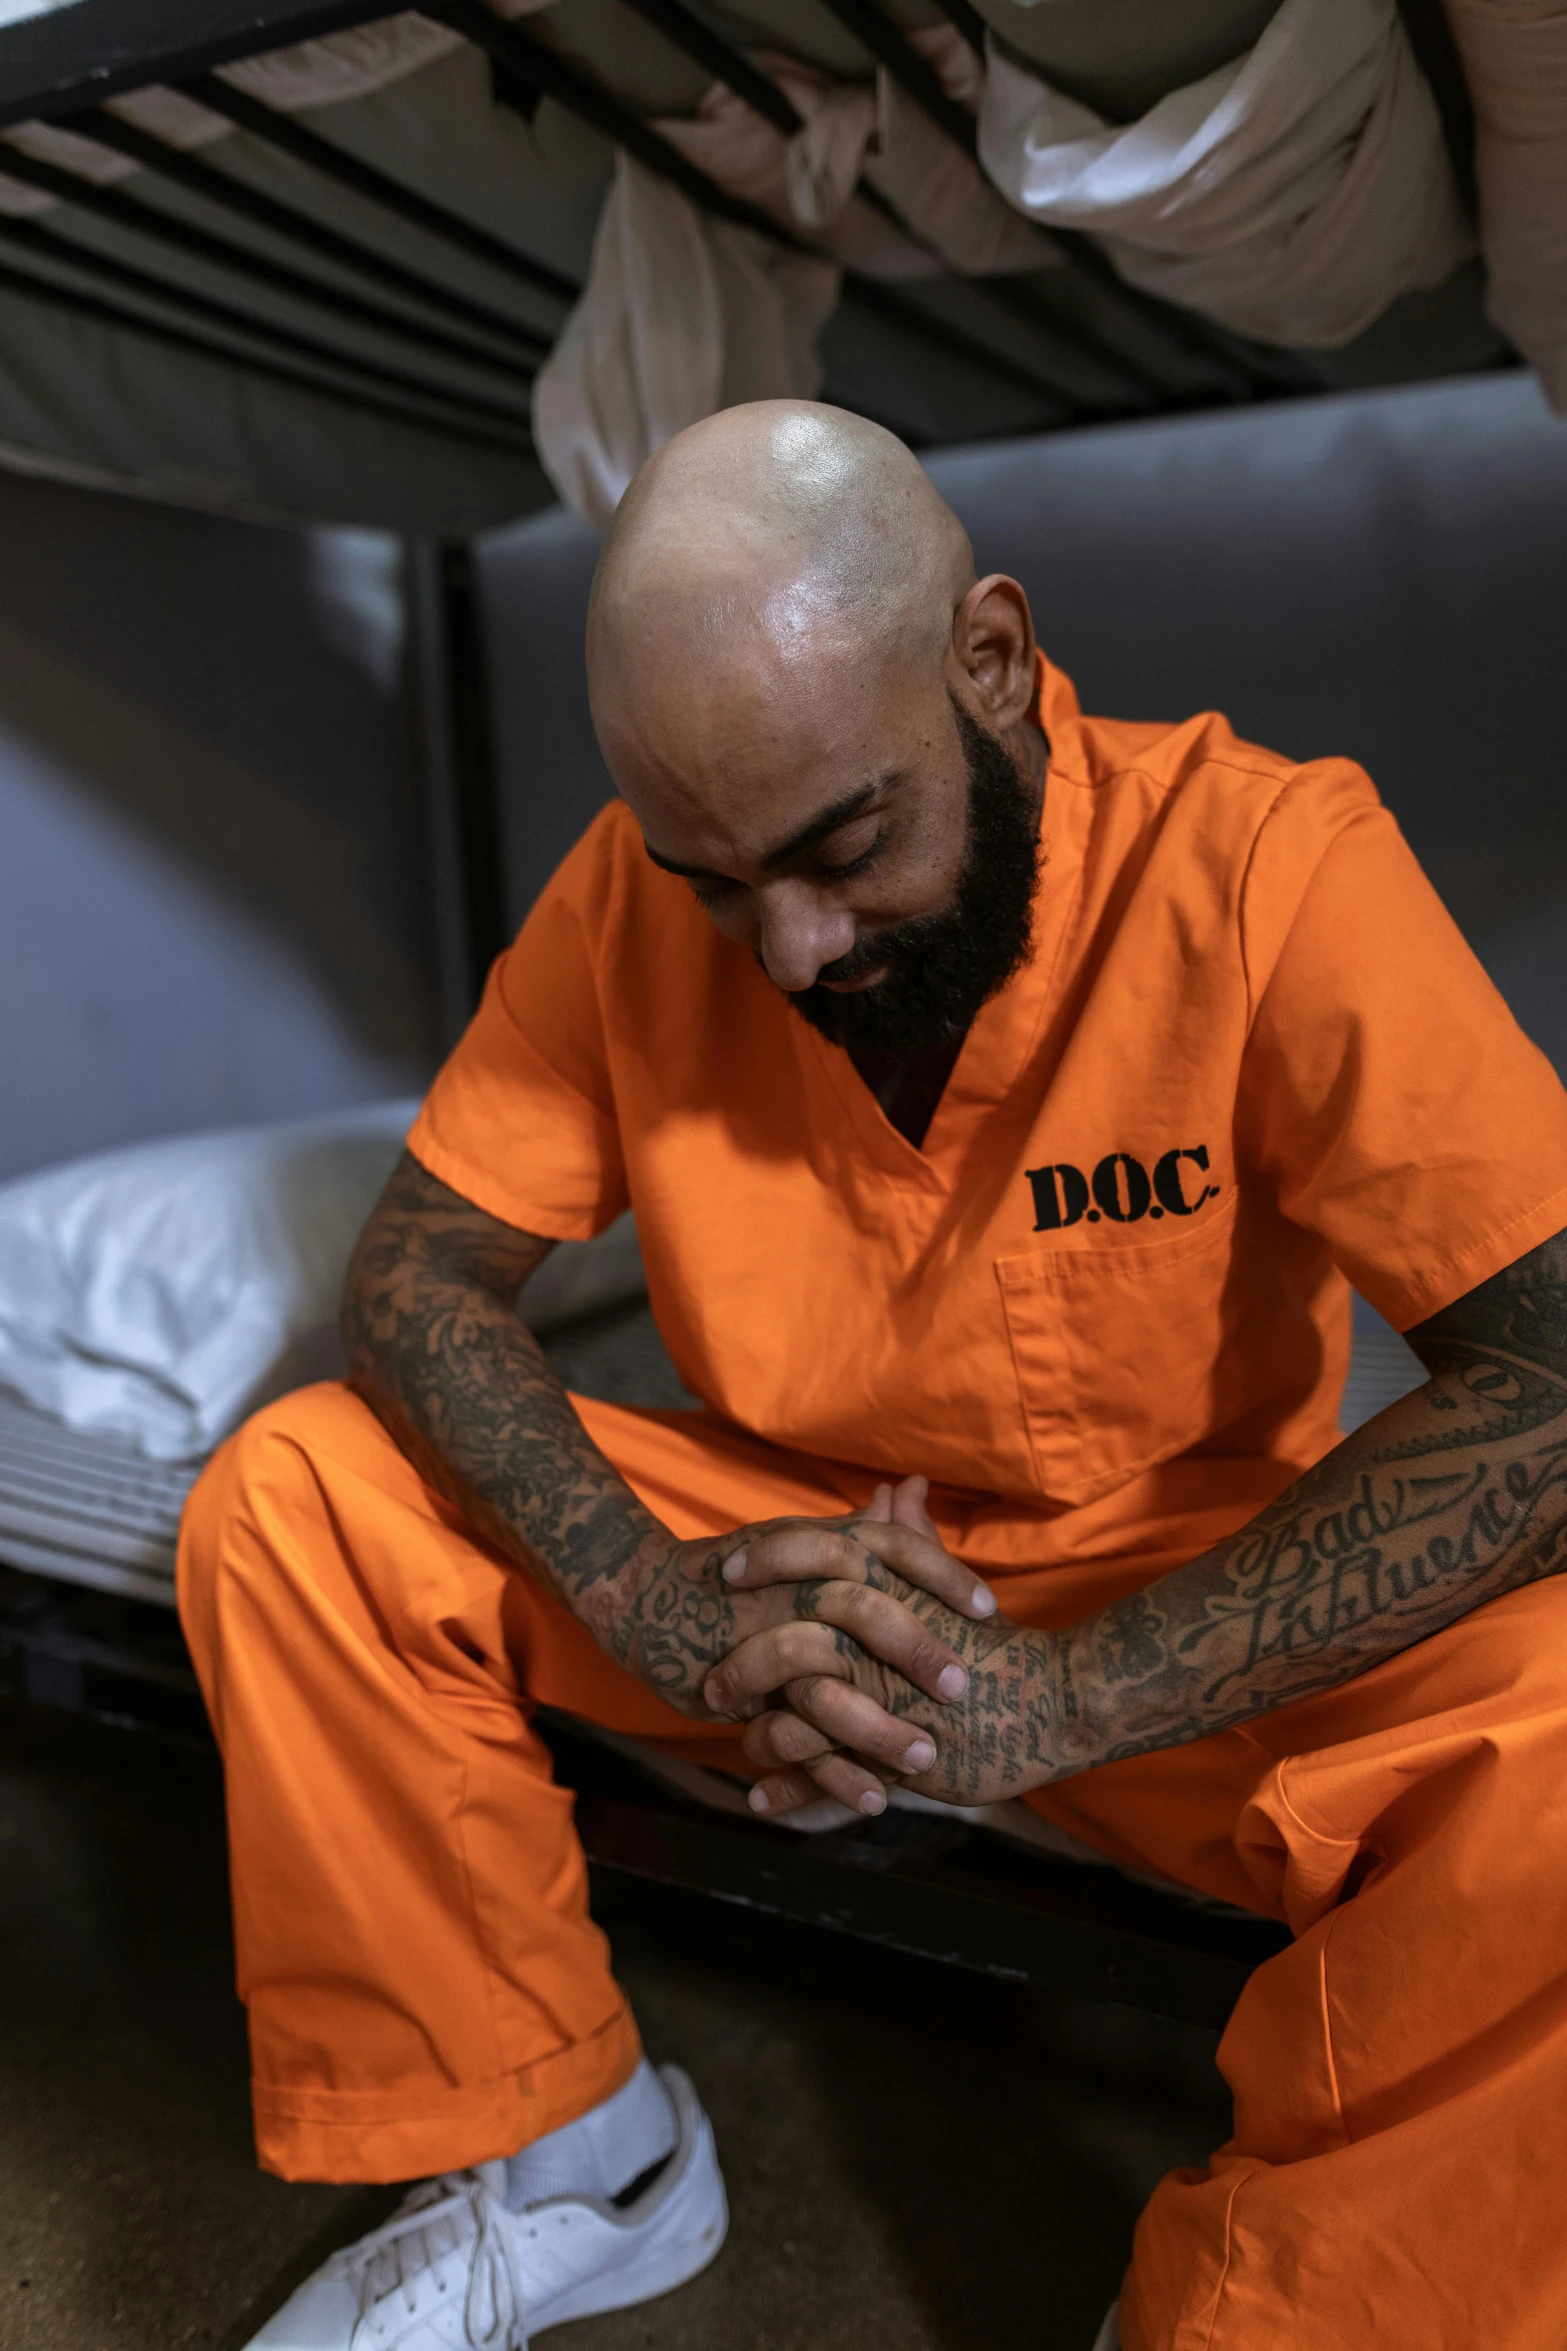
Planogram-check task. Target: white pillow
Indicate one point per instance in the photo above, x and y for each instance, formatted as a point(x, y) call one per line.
point(164, 1292)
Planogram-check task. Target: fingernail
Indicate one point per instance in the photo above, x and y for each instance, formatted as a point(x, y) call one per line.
point(920, 1756)
point(984, 1600)
point(873, 1801)
point(713, 1693)
point(758, 1800)
point(952, 1681)
point(734, 1567)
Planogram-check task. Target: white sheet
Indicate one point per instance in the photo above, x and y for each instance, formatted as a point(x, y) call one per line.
point(875, 132)
point(1291, 195)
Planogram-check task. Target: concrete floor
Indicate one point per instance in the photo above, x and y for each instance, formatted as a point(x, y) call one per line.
point(918, 2160)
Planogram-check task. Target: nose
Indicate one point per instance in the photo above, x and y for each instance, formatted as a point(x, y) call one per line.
point(798, 933)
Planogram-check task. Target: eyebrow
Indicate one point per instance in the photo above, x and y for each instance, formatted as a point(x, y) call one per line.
point(820, 827)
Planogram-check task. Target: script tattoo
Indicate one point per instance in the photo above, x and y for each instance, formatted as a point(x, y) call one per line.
point(1451, 1497)
point(435, 1347)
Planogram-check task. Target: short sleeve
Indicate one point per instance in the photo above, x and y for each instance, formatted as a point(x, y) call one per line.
point(1387, 1091)
point(521, 1120)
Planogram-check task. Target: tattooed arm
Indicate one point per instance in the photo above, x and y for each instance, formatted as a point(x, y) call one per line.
point(437, 1351)
point(1450, 1497)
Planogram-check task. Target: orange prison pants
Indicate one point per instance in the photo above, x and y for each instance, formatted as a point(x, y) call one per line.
point(426, 1988)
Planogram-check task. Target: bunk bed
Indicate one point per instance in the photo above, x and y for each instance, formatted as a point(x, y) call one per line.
point(309, 256)
point(229, 278)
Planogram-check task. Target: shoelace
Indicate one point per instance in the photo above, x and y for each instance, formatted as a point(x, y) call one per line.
point(493, 2314)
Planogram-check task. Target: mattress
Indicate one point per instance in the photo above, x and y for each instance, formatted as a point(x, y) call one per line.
point(88, 1508)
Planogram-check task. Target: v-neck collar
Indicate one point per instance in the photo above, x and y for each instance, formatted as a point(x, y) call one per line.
point(1005, 1030)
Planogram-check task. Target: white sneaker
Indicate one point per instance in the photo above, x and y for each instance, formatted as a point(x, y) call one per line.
point(454, 2270)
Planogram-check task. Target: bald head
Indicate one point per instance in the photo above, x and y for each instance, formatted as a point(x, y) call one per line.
point(790, 665)
point(803, 530)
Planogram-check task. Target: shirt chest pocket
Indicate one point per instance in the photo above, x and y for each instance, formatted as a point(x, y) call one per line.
point(1121, 1353)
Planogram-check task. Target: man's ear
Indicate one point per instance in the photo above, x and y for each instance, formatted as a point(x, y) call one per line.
point(993, 647)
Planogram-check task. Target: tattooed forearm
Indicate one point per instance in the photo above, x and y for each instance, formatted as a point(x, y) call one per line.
point(436, 1349)
point(1453, 1496)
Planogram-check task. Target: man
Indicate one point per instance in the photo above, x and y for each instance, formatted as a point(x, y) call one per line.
point(1005, 1098)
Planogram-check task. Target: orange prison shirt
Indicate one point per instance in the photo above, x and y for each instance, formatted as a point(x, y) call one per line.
point(1106, 1307)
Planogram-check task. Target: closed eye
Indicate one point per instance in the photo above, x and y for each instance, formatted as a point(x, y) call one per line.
point(712, 889)
point(844, 873)
point(866, 829)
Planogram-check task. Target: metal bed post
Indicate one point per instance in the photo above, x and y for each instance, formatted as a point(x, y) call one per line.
point(459, 782)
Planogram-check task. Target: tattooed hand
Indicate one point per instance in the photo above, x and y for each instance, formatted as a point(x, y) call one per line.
point(436, 1349)
point(676, 1617)
point(847, 1712)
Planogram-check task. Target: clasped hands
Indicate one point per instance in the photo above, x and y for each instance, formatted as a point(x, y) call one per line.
point(859, 1653)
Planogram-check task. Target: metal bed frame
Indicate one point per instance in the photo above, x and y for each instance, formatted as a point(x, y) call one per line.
point(909, 1882)
point(60, 68)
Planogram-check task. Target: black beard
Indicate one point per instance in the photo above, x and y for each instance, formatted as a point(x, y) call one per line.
point(940, 968)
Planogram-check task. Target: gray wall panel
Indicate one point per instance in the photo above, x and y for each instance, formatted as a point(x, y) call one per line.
point(212, 896)
point(534, 578)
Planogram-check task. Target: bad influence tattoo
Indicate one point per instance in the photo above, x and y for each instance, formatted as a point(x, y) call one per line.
point(1451, 1497)
point(435, 1347)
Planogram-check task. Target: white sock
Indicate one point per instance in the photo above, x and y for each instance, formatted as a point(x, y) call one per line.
point(601, 2152)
